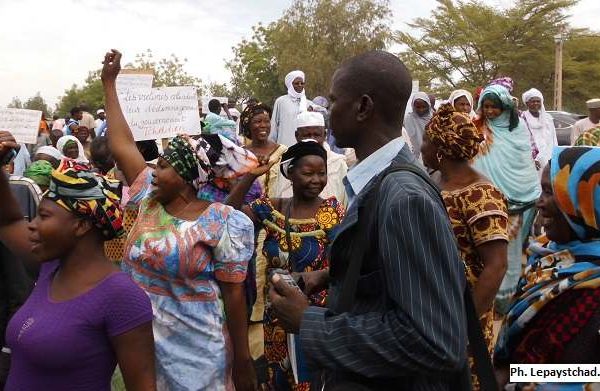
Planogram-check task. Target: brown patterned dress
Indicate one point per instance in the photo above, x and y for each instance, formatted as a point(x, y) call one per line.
point(478, 214)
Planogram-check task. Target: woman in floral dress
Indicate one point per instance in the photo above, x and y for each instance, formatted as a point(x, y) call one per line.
point(299, 231)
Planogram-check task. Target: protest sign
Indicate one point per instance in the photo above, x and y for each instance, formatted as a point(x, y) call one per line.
point(161, 112)
point(23, 124)
point(133, 79)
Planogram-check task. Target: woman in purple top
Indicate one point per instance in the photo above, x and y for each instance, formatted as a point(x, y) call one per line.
point(84, 316)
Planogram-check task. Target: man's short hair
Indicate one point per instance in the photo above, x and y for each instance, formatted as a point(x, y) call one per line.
point(383, 77)
point(214, 106)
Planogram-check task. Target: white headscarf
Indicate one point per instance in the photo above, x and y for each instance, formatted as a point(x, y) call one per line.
point(60, 145)
point(289, 79)
point(534, 93)
point(459, 94)
point(50, 151)
point(415, 124)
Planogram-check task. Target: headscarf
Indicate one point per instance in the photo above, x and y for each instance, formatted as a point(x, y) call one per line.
point(415, 124)
point(211, 156)
point(555, 268)
point(454, 134)
point(505, 82)
point(62, 143)
point(590, 138)
point(215, 124)
point(308, 147)
point(250, 112)
point(289, 79)
point(575, 177)
point(76, 188)
point(503, 100)
point(50, 151)
point(459, 94)
point(505, 157)
point(321, 101)
point(40, 172)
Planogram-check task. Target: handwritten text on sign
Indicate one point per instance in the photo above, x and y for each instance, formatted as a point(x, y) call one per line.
point(161, 112)
point(23, 124)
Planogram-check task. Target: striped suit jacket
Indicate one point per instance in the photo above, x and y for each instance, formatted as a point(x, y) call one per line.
point(407, 326)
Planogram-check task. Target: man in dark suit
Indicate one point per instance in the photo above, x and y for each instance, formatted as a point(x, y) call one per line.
point(406, 328)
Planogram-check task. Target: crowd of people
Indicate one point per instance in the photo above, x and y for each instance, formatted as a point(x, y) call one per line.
point(403, 220)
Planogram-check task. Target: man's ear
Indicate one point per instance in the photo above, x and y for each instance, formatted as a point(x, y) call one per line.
point(365, 108)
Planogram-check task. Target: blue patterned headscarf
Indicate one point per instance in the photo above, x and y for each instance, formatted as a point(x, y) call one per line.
point(575, 177)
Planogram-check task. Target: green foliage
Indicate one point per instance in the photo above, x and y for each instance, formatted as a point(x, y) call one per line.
point(581, 68)
point(464, 44)
point(167, 71)
point(253, 68)
point(90, 93)
point(37, 103)
point(218, 89)
point(312, 35)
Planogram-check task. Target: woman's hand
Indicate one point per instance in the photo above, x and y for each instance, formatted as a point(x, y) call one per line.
point(112, 66)
point(244, 375)
point(7, 144)
point(264, 165)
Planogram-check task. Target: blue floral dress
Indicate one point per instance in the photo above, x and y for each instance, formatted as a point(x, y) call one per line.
point(179, 264)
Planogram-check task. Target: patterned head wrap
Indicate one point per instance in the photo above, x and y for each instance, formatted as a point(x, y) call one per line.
point(308, 147)
point(590, 138)
point(250, 112)
point(575, 177)
point(505, 82)
point(77, 189)
point(454, 134)
point(40, 172)
point(211, 156)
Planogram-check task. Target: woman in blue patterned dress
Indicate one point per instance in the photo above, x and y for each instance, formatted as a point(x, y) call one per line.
point(189, 255)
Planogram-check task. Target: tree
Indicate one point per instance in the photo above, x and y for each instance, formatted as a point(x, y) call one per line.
point(37, 103)
point(466, 44)
point(15, 103)
point(581, 67)
point(218, 89)
point(312, 35)
point(90, 92)
point(253, 68)
point(167, 71)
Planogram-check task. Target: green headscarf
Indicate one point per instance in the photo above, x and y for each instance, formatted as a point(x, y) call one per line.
point(40, 172)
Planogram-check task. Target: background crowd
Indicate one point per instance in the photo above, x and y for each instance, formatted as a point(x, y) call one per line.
point(156, 256)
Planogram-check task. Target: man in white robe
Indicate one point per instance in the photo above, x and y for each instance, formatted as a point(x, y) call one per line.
point(287, 108)
point(540, 125)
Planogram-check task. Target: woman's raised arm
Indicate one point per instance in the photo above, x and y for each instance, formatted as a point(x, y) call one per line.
point(120, 139)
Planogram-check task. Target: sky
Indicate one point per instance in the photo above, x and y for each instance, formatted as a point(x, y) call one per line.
point(49, 45)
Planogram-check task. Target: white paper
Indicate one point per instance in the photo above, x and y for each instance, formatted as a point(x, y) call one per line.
point(161, 112)
point(133, 81)
point(23, 124)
